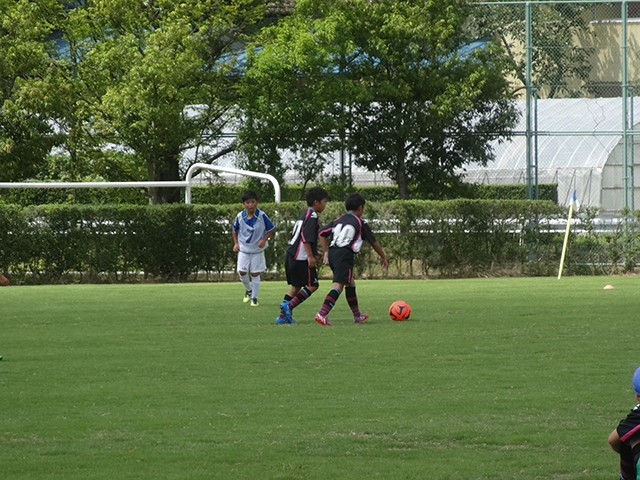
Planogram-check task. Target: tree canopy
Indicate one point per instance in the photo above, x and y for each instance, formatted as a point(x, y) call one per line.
point(26, 136)
point(152, 76)
point(560, 64)
point(392, 82)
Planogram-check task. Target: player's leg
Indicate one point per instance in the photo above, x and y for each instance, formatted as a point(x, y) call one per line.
point(296, 277)
point(311, 285)
point(255, 288)
point(4, 281)
point(304, 293)
point(330, 300)
point(258, 265)
point(352, 300)
point(244, 261)
point(342, 267)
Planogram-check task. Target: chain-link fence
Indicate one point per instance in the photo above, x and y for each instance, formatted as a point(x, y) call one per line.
point(575, 70)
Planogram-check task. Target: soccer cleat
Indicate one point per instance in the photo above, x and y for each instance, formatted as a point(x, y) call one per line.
point(254, 302)
point(283, 321)
point(247, 296)
point(322, 320)
point(286, 311)
point(361, 318)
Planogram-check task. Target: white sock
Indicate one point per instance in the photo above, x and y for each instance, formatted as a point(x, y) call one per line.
point(255, 286)
point(245, 281)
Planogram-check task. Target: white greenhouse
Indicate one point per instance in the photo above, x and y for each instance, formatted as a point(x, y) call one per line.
point(590, 163)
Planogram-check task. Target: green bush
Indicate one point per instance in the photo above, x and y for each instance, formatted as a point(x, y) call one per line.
point(548, 191)
point(96, 243)
point(223, 194)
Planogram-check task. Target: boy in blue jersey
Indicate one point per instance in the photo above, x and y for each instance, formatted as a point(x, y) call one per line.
point(341, 240)
point(625, 439)
point(251, 231)
point(302, 252)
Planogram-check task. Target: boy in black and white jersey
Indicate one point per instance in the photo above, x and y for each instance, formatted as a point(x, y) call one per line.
point(301, 255)
point(341, 240)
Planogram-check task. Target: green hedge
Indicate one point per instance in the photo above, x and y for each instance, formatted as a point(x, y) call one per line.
point(63, 243)
point(230, 194)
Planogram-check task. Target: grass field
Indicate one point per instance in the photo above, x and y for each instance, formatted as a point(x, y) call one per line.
point(489, 379)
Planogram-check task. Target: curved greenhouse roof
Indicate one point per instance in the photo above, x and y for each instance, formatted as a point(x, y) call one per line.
point(578, 146)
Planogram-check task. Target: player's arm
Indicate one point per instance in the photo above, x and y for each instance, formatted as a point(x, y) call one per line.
point(270, 228)
point(236, 245)
point(383, 256)
point(324, 243)
point(367, 234)
point(615, 442)
point(311, 260)
point(263, 241)
point(4, 281)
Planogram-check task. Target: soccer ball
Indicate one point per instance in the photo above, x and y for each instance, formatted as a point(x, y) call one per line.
point(399, 311)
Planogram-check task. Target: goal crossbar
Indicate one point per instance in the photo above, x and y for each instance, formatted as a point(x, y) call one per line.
point(187, 183)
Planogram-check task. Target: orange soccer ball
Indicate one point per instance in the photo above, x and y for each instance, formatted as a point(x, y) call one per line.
point(399, 311)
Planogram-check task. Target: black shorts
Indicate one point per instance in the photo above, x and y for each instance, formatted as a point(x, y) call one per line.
point(341, 263)
point(299, 274)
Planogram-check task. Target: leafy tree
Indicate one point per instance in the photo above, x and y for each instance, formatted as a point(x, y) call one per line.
point(285, 97)
point(152, 76)
point(560, 65)
point(389, 80)
point(26, 135)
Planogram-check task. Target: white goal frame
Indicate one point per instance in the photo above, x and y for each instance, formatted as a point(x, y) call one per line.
point(187, 183)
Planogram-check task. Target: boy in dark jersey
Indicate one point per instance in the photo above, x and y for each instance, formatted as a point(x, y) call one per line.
point(346, 234)
point(301, 254)
point(625, 439)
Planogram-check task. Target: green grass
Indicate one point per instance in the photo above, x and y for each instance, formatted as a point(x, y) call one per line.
point(489, 379)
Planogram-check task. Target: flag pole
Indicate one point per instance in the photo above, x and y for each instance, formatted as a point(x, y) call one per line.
point(566, 239)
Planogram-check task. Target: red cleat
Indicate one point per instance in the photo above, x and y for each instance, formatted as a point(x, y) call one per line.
point(322, 320)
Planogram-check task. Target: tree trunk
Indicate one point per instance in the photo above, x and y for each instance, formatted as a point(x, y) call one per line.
point(164, 170)
point(401, 176)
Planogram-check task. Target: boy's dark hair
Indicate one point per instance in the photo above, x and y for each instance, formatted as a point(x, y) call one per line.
point(316, 193)
point(353, 201)
point(249, 195)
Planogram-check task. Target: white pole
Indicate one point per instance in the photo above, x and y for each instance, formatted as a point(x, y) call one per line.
point(237, 171)
point(186, 183)
point(90, 184)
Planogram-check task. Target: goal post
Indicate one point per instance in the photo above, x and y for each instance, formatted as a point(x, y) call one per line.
point(237, 171)
point(186, 183)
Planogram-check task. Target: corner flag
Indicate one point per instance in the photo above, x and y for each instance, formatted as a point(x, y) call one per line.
point(574, 204)
point(574, 200)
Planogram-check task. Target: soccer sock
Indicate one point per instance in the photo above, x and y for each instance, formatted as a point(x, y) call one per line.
point(352, 300)
point(255, 286)
point(287, 298)
point(245, 281)
point(329, 301)
point(302, 295)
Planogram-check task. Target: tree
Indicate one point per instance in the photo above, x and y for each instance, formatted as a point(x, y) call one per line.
point(26, 134)
point(152, 76)
point(394, 81)
point(560, 65)
point(287, 99)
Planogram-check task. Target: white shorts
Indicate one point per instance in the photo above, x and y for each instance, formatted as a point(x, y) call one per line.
point(251, 262)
